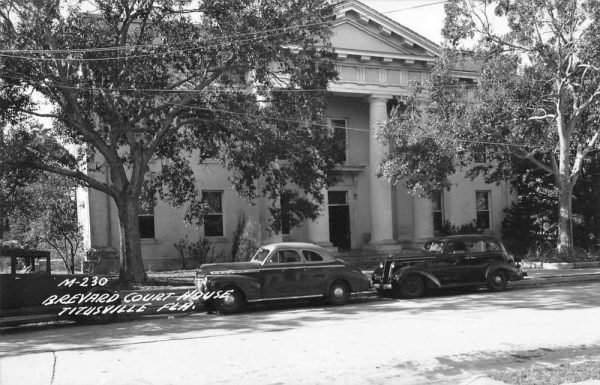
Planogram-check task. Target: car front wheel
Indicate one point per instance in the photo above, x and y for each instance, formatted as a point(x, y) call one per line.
point(339, 293)
point(232, 303)
point(497, 280)
point(412, 287)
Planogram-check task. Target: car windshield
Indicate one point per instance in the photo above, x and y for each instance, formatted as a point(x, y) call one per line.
point(260, 255)
point(434, 247)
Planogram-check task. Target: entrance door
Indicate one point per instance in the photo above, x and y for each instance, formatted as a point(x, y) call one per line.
point(339, 219)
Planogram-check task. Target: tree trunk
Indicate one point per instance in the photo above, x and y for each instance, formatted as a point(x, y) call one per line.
point(565, 199)
point(132, 267)
point(565, 189)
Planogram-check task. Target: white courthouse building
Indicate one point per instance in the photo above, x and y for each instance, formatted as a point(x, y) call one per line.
point(376, 59)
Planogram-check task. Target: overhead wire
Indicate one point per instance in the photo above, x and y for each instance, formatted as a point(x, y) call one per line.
point(11, 53)
point(294, 121)
point(5, 53)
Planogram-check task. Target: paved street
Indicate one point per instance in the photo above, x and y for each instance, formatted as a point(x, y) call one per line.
point(439, 339)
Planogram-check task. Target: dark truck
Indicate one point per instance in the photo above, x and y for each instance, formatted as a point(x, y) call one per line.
point(452, 261)
point(30, 292)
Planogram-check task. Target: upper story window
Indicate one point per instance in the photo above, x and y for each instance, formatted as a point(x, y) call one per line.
point(480, 156)
point(438, 211)
point(146, 221)
point(482, 205)
point(340, 135)
point(213, 219)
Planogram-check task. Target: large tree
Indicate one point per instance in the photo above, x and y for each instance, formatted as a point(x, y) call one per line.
point(140, 86)
point(537, 96)
point(45, 217)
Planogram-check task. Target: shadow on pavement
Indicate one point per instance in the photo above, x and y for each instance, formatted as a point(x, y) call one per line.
point(283, 316)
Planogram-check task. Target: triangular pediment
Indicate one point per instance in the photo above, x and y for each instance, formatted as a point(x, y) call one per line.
point(359, 28)
point(350, 35)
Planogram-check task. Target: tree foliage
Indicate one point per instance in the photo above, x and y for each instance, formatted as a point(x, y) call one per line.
point(41, 211)
point(145, 86)
point(537, 95)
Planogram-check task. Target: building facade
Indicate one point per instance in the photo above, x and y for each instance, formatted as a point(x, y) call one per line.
point(377, 58)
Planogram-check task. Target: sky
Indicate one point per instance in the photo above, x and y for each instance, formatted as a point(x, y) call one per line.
point(423, 18)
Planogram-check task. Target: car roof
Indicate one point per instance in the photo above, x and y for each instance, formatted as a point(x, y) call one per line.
point(17, 252)
point(299, 245)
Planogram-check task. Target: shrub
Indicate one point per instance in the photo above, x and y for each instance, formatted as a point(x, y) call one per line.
point(196, 251)
point(547, 253)
point(249, 241)
point(237, 236)
point(467, 228)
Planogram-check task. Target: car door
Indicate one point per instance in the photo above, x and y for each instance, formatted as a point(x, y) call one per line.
point(317, 271)
point(482, 254)
point(7, 281)
point(284, 275)
point(450, 265)
point(33, 283)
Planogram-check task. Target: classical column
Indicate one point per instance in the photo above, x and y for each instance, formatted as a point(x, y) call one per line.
point(382, 228)
point(318, 230)
point(422, 218)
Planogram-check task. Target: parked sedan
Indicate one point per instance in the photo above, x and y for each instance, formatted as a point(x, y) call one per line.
point(280, 271)
point(452, 261)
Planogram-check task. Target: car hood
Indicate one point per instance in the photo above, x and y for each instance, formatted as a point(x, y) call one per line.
point(233, 267)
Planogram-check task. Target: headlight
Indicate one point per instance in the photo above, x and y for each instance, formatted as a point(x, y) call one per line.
point(392, 265)
point(381, 265)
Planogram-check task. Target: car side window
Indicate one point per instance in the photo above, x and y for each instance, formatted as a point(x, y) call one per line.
point(285, 256)
point(478, 247)
point(5, 267)
point(312, 256)
point(455, 248)
point(493, 246)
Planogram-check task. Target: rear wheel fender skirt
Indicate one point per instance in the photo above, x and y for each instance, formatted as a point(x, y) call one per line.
point(500, 266)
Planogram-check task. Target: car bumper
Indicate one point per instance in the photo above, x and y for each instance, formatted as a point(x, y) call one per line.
point(382, 286)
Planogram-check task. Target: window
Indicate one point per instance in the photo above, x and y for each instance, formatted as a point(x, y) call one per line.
point(455, 248)
point(146, 221)
point(337, 198)
point(480, 156)
point(285, 256)
point(482, 204)
point(438, 212)
point(484, 246)
point(340, 138)
point(312, 256)
point(213, 219)
point(5, 267)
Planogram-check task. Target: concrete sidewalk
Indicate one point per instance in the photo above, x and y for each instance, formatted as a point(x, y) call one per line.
point(537, 277)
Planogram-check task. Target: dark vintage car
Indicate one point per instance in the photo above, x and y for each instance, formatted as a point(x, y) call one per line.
point(30, 292)
point(452, 261)
point(280, 271)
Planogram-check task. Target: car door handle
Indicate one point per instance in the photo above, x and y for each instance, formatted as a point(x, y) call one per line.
point(17, 278)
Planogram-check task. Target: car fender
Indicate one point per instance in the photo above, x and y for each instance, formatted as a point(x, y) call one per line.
point(249, 286)
point(355, 279)
point(401, 275)
point(510, 269)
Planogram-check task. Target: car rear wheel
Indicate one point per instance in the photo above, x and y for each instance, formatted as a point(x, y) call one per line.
point(232, 303)
point(497, 280)
point(412, 287)
point(339, 293)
